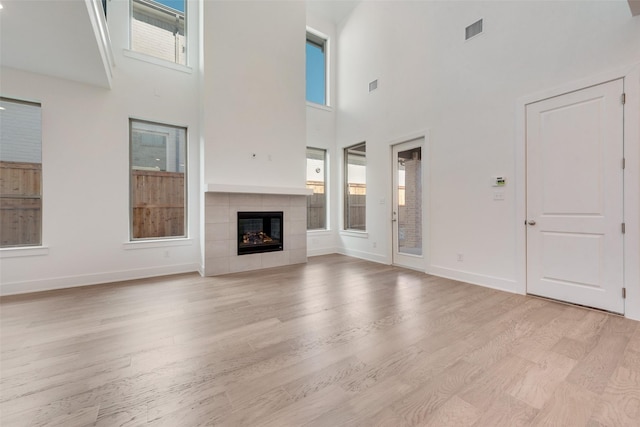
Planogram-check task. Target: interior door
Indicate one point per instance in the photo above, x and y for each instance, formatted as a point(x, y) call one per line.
point(407, 205)
point(575, 197)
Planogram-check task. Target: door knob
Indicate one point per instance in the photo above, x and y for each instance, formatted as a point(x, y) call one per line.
point(531, 222)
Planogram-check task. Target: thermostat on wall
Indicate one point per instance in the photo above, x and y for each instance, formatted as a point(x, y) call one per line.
point(498, 181)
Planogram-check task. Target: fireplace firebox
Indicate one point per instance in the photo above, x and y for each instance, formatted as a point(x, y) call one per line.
point(259, 232)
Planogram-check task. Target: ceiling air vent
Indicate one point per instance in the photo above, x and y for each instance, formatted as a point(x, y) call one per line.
point(373, 85)
point(473, 30)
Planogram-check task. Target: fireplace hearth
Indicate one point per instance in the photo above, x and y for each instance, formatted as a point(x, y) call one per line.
point(260, 232)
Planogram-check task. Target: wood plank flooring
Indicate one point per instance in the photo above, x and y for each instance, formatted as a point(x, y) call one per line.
point(338, 341)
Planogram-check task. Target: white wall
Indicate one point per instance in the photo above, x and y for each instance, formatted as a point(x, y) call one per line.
point(85, 154)
point(465, 95)
point(321, 133)
point(254, 93)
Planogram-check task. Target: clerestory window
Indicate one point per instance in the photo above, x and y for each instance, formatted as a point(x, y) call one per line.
point(316, 69)
point(158, 29)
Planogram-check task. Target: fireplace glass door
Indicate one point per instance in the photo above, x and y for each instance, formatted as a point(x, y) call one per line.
point(259, 232)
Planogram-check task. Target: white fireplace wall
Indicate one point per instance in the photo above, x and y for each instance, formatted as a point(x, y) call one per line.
point(253, 93)
point(221, 231)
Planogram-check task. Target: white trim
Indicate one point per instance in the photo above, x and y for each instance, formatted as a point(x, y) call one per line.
point(327, 69)
point(317, 33)
point(156, 243)
point(319, 106)
point(101, 31)
point(157, 61)
point(24, 251)
point(254, 189)
point(632, 193)
point(321, 251)
point(425, 145)
point(631, 75)
point(320, 232)
point(493, 282)
point(162, 123)
point(575, 85)
point(410, 137)
point(380, 259)
point(354, 233)
point(29, 286)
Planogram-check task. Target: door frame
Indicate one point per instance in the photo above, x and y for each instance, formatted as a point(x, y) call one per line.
point(416, 262)
point(631, 195)
point(426, 203)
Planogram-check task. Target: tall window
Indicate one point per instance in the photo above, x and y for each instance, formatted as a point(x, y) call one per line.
point(20, 173)
point(316, 180)
point(158, 180)
point(316, 69)
point(355, 192)
point(158, 29)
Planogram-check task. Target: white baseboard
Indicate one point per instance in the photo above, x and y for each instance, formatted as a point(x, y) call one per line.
point(321, 251)
point(29, 286)
point(499, 283)
point(381, 259)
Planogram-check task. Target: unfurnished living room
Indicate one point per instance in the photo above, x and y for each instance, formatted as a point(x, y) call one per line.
point(319, 212)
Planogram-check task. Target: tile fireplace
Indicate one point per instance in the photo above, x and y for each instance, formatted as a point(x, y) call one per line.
point(224, 215)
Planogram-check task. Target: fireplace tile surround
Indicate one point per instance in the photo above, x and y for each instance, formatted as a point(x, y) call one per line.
point(221, 231)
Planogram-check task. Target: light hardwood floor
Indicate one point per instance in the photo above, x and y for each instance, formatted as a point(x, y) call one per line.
point(338, 341)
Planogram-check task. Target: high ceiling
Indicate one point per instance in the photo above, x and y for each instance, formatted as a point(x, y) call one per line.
point(56, 38)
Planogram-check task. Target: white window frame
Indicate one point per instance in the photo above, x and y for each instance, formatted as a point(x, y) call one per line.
point(325, 169)
point(185, 234)
point(35, 248)
point(316, 37)
point(136, 54)
point(346, 205)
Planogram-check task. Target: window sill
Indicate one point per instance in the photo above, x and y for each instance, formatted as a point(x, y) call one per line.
point(157, 61)
point(319, 106)
point(319, 231)
point(147, 244)
point(353, 233)
point(25, 251)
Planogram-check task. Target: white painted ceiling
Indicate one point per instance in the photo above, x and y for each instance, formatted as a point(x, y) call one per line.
point(56, 37)
point(51, 37)
point(333, 10)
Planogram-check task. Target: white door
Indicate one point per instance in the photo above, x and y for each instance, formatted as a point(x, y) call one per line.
point(407, 205)
point(575, 197)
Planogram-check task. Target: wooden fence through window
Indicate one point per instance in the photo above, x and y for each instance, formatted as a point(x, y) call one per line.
point(158, 204)
point(20, 204)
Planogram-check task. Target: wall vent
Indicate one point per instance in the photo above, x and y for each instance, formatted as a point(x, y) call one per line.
point(373, 85)
point(473, 30)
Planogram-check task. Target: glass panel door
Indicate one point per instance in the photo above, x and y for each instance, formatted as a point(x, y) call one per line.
point(407, 204)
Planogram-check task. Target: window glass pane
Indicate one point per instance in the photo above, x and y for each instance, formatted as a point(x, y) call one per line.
point(356, 187)
point(158, 29)
point(316, 70)
point(20, 173)
point(158, 187)
point(316, 180)
point(409, 209)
